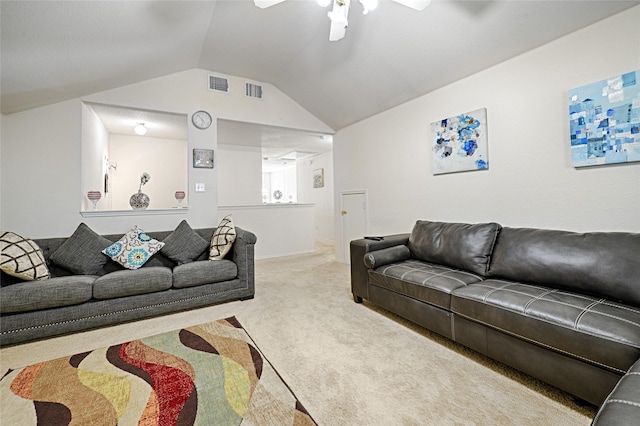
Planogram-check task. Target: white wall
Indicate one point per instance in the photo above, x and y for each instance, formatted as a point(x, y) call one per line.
point(321, 197)
point(239, 175)
point(41, 174)
point(281, 229)
point(165, 160)
point(93, 155)
point(41, 152)
point(284, 180)
point(530, 181)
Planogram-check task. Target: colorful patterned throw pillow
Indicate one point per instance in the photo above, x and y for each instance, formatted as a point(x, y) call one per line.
point(133, 249)
point(22, 258)
point(222, 239)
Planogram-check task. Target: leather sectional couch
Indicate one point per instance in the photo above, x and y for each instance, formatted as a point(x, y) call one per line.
point(563, 307)
point(105, 293)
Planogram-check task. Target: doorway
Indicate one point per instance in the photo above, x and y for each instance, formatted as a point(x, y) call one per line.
point(354, 218)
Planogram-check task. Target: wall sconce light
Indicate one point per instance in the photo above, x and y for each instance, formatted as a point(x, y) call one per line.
point(140, 129)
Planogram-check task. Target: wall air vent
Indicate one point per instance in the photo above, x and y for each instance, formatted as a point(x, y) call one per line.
point(218, 83)
point(253, 90)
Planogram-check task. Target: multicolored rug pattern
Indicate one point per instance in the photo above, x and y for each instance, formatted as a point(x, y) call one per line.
point(210, 374)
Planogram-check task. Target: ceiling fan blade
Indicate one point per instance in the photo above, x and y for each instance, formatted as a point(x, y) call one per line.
point(337, 31)
point(414, 4)
point(263, 4)
point(339, 16)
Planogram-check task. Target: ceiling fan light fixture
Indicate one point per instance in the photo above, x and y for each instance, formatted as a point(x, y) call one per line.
point(368, 5)
point(340, 12)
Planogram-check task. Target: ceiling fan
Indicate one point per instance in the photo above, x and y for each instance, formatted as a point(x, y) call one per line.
point(340, 11)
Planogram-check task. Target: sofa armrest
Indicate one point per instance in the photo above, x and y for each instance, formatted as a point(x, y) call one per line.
point(359, 271)
point(622, 406)
point(244, 257)
point(377, 258)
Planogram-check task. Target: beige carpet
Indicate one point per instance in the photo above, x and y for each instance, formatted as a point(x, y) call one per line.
point(350, 364)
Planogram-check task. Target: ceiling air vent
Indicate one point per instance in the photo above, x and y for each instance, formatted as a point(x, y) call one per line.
point(253, 90)
point(218, 83)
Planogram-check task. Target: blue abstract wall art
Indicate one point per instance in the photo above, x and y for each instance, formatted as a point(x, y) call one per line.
point(604, 121)
point(460, 143)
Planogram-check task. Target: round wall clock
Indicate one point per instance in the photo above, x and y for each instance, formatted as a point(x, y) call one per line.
point(201, 119)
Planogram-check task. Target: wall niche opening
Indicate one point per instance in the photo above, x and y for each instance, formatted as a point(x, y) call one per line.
point(120, 144)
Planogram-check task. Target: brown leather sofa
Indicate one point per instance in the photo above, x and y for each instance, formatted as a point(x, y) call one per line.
point(563, 307)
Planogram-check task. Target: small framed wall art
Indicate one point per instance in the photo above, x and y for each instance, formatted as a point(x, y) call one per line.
point(318, 178)
point(203, 158)
point(459, 143)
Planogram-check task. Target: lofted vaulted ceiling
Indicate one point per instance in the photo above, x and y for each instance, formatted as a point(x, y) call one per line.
point(58, 50)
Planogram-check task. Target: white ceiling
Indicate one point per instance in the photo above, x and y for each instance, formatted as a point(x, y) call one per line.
point(121, 121)
point(58, 50)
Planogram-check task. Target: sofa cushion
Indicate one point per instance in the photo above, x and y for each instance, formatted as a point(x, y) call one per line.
point(22, 258)
point(203, 272)
point(422, 281)
point(130, 282)
point(52, 293)
point(134, 248)
point(459, 245)
point(222, 239)
point(184, 245)
point(81, 253)
point(592, 329)
point(602, 264)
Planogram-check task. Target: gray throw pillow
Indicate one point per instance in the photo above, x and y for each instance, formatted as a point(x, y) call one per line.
point(81, 253)
point(184, 245)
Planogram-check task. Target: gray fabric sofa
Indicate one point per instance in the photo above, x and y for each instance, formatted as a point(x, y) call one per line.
point(70, 302)
point(563, 307)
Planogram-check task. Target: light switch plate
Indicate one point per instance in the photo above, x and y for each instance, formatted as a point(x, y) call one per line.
point(199, 187)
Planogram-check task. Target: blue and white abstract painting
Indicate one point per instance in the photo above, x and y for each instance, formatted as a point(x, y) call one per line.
point(604, 121)
point(460, 143)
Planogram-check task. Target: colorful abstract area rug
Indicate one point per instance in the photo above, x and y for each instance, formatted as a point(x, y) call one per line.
point(211, 374)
